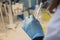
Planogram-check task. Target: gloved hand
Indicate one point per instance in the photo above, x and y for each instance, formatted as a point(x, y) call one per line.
point(32, 27)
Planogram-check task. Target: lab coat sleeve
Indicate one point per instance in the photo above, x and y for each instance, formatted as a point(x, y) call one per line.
point(53, 28)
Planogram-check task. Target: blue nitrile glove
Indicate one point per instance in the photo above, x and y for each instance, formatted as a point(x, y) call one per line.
point(32, 27)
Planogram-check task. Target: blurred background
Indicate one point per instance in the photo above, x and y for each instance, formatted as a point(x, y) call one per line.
point(14, 12)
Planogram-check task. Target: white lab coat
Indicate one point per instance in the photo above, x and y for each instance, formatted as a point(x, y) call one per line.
point(53, 28)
